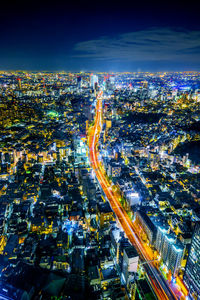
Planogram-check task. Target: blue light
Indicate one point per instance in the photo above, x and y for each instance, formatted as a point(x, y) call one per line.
point(170, 239)
point(177, 249)
point(163, 230)
point(174, 280)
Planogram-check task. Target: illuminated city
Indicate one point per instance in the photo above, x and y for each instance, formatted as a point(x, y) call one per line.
point(100, 185)
point(100, 150)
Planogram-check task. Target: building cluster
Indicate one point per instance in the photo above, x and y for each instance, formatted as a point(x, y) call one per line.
point(149, 148)
point(52, 238)
point(58, 235)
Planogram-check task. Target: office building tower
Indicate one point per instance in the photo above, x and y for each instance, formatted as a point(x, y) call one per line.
point(130, 262)
point(175, 257)
point(160, 237)
point(79, 81)
point(170, 249)
point(19, 83)
point(192, 270)
point(93, 81)
point(169, 240)
point(143, 220)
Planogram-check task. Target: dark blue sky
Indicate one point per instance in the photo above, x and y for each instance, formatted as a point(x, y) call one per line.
point(100, 35)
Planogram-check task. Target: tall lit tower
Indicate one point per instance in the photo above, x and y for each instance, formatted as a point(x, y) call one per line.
point(192, 270)
point(79, 81)
point(93, 81)
point(19, 83)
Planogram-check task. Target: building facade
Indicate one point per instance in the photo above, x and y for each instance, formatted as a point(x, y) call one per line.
point(192, 270)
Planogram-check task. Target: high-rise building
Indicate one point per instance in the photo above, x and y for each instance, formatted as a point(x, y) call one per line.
point(19, 83)
point(170, 249)
point(93, 81)
point(130, 261)
point(192, 270)
point(143, 220)
point(169, 240)
point(175, 257)
point(79, 81)
point(160, 237)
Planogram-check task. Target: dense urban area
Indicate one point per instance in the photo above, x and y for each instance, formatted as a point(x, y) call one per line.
point(99, 185)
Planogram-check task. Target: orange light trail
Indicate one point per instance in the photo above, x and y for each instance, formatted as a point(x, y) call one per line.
point(160, 287)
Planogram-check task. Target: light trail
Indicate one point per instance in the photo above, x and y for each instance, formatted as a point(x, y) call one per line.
point(160, 287)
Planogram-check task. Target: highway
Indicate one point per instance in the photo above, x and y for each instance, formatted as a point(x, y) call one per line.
point(159, 285)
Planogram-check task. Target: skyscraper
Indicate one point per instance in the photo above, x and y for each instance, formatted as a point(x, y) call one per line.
point(130, 261)
point(170, 249)
point(19, 83)
point(93, 81)
point(192, 270)
point(79, 81)
point(160, 237)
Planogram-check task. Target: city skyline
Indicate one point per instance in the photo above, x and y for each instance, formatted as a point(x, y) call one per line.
point(99, 150)
point(99, 185)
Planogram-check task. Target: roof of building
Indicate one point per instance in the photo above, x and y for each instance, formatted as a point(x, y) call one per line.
point(104, 207)
point(147, 220)
point(93, 272)
point(131, 251)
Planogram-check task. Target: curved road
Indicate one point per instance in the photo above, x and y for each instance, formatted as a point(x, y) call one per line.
point(160, 286)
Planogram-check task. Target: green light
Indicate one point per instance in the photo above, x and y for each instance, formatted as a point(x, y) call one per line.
point(53, 114)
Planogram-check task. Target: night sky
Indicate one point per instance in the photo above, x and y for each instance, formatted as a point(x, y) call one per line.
point(100, 35)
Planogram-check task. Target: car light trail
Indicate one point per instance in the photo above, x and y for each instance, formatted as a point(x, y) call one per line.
point(160, 286)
